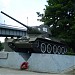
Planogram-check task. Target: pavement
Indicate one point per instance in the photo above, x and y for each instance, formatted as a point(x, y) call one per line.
point(8, 71)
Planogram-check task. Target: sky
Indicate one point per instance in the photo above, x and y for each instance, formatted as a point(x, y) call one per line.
point(20, 10)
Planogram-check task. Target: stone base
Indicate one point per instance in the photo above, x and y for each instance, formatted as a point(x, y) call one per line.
point(13, 59)
point(51, 63)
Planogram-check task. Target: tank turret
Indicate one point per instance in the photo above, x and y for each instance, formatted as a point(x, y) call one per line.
point(39, 40)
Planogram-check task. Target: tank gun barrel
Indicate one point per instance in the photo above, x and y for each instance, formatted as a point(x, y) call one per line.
point(30, 30)
point(15, 20)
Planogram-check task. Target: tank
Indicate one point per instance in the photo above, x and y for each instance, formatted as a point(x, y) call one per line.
point(38, 40)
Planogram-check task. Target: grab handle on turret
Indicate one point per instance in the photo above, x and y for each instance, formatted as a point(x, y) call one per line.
point(15, 20)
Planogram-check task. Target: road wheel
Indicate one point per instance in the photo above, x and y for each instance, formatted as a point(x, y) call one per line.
point(59, 50)
point(43, 47)
point(54, 49)
point(49, 48)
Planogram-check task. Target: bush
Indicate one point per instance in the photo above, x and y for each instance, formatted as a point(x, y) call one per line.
point(1, 46)
point(70, 52)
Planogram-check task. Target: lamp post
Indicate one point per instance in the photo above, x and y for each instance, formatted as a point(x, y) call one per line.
point(27, 20)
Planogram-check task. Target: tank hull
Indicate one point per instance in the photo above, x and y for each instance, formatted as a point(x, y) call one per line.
point(39, 45)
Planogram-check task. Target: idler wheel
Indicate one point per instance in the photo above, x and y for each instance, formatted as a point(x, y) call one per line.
point(43, 47)
point(49, 48)
point(54, 49)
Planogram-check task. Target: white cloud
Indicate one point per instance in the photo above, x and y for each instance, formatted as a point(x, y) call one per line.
point(6, 2)
point(20, 10)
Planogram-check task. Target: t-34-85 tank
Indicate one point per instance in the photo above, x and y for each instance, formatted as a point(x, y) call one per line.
point(38, 40)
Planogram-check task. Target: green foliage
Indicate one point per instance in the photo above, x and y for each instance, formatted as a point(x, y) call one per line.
point(1, 46)
point(60, 15)
point(70, 52)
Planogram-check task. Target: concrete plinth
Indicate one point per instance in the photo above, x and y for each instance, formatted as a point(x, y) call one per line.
point(51, 63)
point(13, 59)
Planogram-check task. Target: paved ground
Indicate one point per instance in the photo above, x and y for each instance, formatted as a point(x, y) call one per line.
point(7, 71)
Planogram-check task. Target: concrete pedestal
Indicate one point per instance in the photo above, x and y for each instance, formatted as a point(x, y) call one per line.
point(13, 59)
point(51, 63)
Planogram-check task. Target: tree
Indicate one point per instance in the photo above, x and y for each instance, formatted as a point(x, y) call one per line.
point(1, 46)
point(60, 16)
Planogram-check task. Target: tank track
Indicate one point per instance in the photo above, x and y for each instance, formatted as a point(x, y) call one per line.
point(48, 46)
